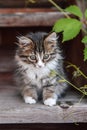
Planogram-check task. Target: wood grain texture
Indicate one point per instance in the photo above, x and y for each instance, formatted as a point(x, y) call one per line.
point(28, 17)
point(14, 110)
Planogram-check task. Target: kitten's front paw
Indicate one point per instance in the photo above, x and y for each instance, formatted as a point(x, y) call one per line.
point(50, 102)
point(29, 100)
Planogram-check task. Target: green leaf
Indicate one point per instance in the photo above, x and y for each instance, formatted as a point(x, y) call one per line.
point(86, 13)
point(70, 27)
point(84, 40)
point(85, 54)
point(73, 9)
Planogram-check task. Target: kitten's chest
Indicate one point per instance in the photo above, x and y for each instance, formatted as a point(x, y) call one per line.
point(36, 76)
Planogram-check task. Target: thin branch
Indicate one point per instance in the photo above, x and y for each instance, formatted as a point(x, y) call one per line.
point(55, 73)
point(74, 66)
point(72, 84)
point(59, 8)
point(84, 30)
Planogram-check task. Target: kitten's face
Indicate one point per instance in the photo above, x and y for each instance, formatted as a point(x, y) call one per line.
point(37, 48)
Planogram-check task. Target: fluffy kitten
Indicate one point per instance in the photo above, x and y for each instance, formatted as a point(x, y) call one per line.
point(37, 55)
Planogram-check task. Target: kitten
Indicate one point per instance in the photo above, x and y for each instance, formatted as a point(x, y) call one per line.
point(37, 55)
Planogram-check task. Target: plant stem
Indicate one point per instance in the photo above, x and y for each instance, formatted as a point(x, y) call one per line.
point(84, 30)
point(74, 66)
point(71, 84)
point(81, 98)
point(54, 73)
point(59, 8)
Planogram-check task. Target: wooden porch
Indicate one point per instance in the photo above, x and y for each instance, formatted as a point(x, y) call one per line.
point(69, 109)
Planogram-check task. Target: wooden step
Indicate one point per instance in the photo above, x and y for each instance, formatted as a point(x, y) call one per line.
point(14, 110)
point(22, 17)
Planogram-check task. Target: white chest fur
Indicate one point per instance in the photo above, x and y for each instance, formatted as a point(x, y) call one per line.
point(36, 74)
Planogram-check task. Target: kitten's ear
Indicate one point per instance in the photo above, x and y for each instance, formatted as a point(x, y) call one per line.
point(51, 37)
point(24, 41)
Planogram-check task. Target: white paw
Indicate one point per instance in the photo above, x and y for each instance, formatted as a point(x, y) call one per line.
point(29, 100)
point(50, 102)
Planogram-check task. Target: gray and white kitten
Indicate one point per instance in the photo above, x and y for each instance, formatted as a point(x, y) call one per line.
point(39, 54)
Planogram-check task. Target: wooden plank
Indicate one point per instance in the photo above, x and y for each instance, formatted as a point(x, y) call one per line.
point(24, 10)
point(14, 110)
point(28, 17)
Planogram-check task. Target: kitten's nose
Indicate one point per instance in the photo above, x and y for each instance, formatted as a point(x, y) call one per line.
point(40, 64)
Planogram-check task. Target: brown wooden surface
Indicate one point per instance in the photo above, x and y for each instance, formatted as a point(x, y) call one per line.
point(13, 11)
point(27, 17)
point(14, 110)
point(40, 15)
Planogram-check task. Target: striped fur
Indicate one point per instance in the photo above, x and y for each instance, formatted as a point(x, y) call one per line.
point(37, 55)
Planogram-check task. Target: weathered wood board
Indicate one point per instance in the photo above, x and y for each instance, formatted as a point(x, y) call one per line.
point(14, 110)
point(28, 17)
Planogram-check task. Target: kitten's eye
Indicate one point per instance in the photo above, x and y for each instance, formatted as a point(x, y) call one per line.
point(33, 57)
point(46, 56)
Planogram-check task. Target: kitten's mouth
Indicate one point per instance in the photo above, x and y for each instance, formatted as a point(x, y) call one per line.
point(39, 66)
